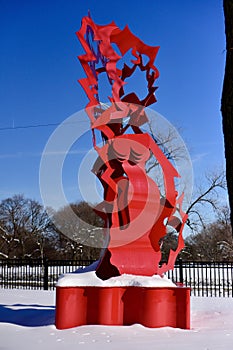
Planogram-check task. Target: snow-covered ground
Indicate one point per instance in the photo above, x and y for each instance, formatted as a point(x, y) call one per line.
point(27, 322)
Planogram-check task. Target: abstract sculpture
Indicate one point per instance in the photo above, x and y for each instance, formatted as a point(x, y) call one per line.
point(132, 208)
point(135, 213)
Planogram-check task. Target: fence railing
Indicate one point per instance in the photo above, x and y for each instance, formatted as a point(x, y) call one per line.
point(204, 278)
point(36, 274)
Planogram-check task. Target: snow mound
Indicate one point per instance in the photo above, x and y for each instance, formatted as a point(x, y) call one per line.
point(139, 281)
point(90, 279)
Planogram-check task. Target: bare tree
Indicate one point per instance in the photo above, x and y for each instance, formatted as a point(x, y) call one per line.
point(171, 146)
point(80, 230)
point(5, 241)
point(25, 228)
point(207, 198)
point(227, 100)
point(202, 213)
point(212, 243)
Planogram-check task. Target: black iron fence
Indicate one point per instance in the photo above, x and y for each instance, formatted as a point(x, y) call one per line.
point(204, 278)
point(36, 274)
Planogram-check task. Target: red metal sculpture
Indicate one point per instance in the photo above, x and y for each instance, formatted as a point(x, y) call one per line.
point(132, 208)
point(134, 211)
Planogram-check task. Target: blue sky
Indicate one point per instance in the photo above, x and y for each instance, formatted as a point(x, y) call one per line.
point(39, 70)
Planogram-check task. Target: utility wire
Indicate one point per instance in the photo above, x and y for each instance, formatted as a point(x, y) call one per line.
point(26, 126)
point(34, 126)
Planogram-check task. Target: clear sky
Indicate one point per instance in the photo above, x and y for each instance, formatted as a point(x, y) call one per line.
point(39, 70)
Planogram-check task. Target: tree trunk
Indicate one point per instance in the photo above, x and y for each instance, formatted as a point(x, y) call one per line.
point(227, 100)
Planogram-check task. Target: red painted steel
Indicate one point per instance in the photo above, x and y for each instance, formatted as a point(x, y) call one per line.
point(133, 209)
point(150, 306)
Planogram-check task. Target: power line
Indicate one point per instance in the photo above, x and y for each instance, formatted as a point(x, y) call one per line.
point(27, 126)
point(34, 126)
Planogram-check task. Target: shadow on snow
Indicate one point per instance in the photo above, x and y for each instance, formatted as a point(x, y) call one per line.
point(27, 315)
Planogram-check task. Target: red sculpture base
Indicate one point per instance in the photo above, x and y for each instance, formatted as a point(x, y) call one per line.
point(150, 306)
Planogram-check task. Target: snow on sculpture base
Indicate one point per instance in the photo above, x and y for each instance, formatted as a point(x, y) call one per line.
point(121, 301)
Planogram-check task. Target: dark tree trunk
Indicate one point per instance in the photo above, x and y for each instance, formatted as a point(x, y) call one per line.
point(227, 100)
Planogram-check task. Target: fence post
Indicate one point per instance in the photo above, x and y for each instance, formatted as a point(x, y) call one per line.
point(181, 270)
point(46, 274)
